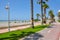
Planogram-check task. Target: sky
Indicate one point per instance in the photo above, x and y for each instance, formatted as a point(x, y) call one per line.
point(20, 9)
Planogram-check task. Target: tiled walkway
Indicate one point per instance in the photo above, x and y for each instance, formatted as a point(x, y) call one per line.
point(51, 33)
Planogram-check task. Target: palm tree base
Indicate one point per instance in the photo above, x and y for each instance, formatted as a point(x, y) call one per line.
point(44, 22)
point(33, 27)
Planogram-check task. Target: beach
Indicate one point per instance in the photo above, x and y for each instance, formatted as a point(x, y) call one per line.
point(16, 26)
point(18, 23)
point(5, 24)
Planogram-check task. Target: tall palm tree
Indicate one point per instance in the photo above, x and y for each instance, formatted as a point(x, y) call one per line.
point(51, 15)
point(32, 19)
point(59, 15)
point(37, 16)
point(41, 3)
point(45, 6)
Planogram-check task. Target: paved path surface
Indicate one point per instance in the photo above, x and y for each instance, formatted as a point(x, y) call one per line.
point(18, 28)
point(51, 33)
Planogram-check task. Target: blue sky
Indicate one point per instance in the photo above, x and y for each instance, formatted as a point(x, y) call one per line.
point(20, 9)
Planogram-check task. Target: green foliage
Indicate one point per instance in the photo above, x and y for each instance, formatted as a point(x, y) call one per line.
point(36, 20)
point(46, 0)
point(51, 14)
point(59, 15)
point(15, 35)
point(37, 14)
point(58, 20)
point(45, 5)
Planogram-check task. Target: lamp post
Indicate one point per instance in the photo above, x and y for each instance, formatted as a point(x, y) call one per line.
point(8, 11)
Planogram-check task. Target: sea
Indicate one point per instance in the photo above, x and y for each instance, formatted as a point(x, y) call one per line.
point(19, 21)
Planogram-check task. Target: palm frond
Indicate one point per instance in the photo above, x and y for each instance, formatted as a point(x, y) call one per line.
point(38, 2)
point(46, 0)
point(51, 14)
point(45, 5)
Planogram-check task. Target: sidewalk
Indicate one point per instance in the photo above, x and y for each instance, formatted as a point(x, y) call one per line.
point(51, 33)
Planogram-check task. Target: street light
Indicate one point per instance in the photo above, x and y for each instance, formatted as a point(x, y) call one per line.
point(8, 11)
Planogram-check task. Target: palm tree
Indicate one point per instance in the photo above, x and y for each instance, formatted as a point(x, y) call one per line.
point(51, 15)
point(32, 19)
point(59, 15)
point(41, 3)
point(45, 6)
point(37, 16)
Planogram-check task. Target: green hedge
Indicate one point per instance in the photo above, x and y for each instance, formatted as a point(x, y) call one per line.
point(36, 20)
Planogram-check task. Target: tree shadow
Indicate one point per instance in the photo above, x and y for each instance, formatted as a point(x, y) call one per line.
point(11, 37)
point(35, 36)
point(50, 27)
point(14, 36)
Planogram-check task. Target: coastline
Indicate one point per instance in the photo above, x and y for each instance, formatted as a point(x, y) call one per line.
point(13, 23)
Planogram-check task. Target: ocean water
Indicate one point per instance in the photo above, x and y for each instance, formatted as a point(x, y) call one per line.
point(1, 21)
point(19, 21)
point(4, 23)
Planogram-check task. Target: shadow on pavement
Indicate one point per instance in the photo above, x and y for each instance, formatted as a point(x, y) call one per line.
point(50, 27)
point(36, 36)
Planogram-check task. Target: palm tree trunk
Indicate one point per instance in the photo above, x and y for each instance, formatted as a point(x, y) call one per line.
point(32, 19)
point(58, 17)
point(44, 15)
point(42, 10)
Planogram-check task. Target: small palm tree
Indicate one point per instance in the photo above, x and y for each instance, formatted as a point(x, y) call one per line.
point(37, 16)
point(32, 19)
point(45, 6)
point(51, 15)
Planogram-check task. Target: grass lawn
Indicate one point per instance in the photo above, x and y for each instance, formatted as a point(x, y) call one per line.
point(15, 35)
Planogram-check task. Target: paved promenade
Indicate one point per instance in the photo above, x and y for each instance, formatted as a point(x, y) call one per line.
point(50, 33)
